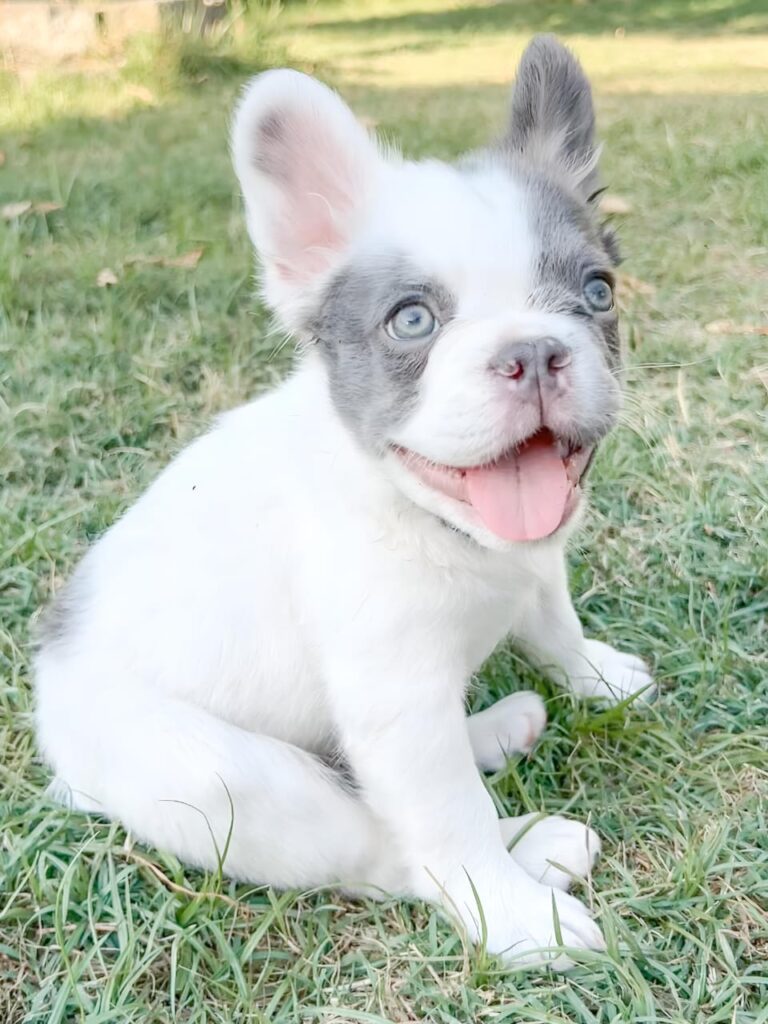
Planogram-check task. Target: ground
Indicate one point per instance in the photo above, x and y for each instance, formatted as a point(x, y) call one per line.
point(101, 383)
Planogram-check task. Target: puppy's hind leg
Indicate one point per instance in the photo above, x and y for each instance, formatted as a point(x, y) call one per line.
point(201, 788)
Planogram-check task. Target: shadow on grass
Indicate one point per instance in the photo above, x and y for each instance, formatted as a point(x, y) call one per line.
point(591, 17)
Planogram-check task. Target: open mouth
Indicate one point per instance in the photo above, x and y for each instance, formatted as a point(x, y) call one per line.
point(527, 493)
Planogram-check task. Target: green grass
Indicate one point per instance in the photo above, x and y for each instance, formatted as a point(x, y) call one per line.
point(100, 386)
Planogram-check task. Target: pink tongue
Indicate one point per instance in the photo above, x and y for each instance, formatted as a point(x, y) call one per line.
point(523, 497)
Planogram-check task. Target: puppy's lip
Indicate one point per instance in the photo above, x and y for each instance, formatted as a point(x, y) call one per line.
point(575, 457)
point(520, 494)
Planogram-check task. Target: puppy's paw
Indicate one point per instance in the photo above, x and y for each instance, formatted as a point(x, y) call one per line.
point(612, 675)
point(553, 850)
point(542, 926)
point(510, 726)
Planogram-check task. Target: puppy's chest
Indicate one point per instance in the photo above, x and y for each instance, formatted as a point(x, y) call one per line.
point(487, 623)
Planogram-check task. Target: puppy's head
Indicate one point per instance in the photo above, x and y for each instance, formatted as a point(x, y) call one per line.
point(465, 313)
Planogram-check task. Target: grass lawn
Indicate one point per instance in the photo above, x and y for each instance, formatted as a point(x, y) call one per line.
point(99, 386)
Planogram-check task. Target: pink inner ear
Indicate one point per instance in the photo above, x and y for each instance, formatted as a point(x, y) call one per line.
point(320, 175)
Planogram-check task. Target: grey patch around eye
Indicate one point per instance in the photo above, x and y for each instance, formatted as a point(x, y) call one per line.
point(570, 242)
point(610, 333)
point(551, 296)
point(374, 379)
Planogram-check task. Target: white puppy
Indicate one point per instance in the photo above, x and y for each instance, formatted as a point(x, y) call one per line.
point(277, 638)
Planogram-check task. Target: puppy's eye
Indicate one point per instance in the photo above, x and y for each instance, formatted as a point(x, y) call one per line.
point(412, 322)
point(599, 294)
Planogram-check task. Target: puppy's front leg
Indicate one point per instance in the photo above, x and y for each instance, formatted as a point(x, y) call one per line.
point(401, 722)
point(552, 636)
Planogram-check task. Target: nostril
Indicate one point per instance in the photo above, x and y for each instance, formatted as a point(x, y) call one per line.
point(514, 370)
point(554, 356)
point(559, 361)
point(513, 360)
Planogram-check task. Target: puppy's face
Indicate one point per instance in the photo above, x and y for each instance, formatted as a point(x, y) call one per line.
point(465, 313)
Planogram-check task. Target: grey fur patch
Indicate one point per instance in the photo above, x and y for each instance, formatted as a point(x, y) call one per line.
point(610, 242)
point(374, 379)
point(552, 117)
point(571, 247)
point(342, 772)
point(270, 135)
point(60, 618)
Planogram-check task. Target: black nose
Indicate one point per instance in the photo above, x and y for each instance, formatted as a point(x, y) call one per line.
point(541, 358)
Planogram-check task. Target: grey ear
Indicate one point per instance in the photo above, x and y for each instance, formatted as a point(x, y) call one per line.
point(552, 119)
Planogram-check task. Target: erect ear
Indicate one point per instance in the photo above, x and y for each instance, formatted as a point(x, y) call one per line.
point(552, 118)
point(306, 167)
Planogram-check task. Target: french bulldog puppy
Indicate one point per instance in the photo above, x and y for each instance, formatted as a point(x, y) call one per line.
point(267, 657)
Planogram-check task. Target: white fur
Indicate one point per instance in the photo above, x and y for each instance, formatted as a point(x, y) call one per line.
point(511, 725)
point(554, 850)
point(278, 594)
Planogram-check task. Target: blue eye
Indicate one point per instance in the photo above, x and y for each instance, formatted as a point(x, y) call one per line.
point(412, 322)
point(599, 294)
